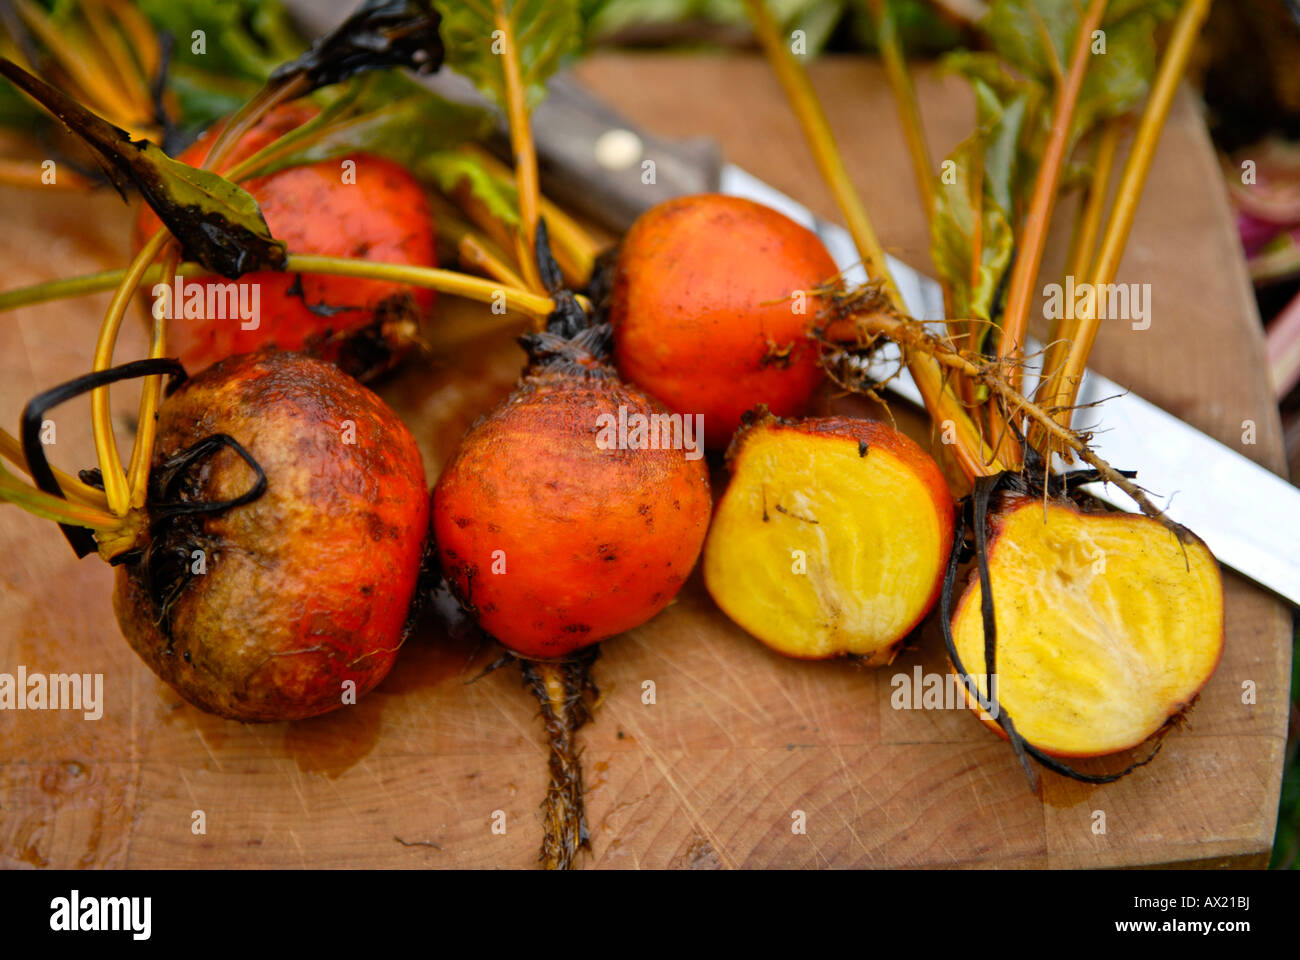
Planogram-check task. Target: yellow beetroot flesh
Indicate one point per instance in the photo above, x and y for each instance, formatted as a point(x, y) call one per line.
point(1107, 625)
point(831, 538)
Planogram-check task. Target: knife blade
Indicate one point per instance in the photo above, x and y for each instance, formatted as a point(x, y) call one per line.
point(1247, 515)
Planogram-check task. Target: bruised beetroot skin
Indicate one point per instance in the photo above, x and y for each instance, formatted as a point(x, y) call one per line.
point(306, 587)
point(553, 542)
point(362, 326)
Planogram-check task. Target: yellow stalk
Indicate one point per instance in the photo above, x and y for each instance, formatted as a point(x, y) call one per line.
point(473, 249)
point(1045, 38)
point(75, 59)
point(521, 145)
point(910, 334)
point(446, 281)
point(137, 473)
point(574, 249)
point(1038, 219)
point(1186, 27)
point(110, 463)
point(976, 262)
point(81, 286)
point(1083, 245)
point(1033, 237)
point(140, 32)
point(473, 252)
point(909, 112)
point(266, 100)
point(116, 53)
point(49, 507)
point(972, 453)
point(12, 450)
point(12, 51)
point(817, 130)
point(1085, 239)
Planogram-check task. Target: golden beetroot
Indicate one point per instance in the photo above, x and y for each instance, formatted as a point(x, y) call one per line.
point(711, 304)
point(554, 537)
point(270, 609)
point(832, 537)
point(362, 325)
point(571, 512)
point(1107, 625)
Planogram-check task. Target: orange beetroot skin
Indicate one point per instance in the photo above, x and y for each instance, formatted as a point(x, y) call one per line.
point(384, 217)
point(703, 311)
point(306, 587)
point(552, 542)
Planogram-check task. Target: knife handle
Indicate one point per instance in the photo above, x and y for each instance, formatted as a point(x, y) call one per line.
point(593, 161)
point(589, 157)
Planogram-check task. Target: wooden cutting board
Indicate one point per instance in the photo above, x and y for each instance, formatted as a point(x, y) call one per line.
point(738, 740)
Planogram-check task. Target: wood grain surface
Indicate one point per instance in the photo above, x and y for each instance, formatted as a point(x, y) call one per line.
point(738, 738)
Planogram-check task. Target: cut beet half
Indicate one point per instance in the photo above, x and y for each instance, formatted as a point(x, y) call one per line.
point(1108, 625)
point(831, 538)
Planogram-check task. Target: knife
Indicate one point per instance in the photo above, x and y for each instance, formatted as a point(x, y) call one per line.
point(593, 160)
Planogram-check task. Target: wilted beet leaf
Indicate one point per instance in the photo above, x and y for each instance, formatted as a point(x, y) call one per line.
point(381, 34)
point(218, 224)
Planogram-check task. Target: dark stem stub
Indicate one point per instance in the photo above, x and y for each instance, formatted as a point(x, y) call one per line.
point(378, 35)
point(567, 694)
point(176, 513)
point(82, 540)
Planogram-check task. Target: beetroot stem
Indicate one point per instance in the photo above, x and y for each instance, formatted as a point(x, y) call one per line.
point(49, 507)
point(266, 100)
point(909, 111)
point(12, 450)
point(574, 248)
point(972, 454)
point(1083, 245)
point(1038, 219)
point(110, 463)
point(1138, 165)
point(137, 473)
point(82, 64)
point(912, 336)
point(445, 281)
point(521, 144)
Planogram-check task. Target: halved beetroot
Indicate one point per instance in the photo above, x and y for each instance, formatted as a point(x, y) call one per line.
point(831, 539)
point(1108, 625)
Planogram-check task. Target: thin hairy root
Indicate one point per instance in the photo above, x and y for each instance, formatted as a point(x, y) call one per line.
point(567, 695)
point(865, 316)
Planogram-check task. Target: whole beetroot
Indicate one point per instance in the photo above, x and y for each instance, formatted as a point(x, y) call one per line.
point(553, 536)
point(277, 608)
point(711, 304)
point(382, 215)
